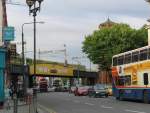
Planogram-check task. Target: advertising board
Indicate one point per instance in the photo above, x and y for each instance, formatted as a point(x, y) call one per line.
point(52, 70)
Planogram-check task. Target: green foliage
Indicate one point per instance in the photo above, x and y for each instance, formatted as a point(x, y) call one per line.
point(106, 42)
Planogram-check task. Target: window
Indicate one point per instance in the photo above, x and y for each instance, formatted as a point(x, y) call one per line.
point(120, 60)
point(127, 58)
point(143, 54)
point(128, 80)
point(145, 77)
point(121, 81)
point(149, 53)
point(135, 56)
point(115, 61)
point(124, 80)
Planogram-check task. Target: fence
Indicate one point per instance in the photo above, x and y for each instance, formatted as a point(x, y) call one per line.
point(20, 105)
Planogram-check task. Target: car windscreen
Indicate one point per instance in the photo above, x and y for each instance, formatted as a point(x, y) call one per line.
point(99, 87)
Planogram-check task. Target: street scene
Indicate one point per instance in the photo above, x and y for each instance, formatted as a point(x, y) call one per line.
point(84, 104)
point(77, 56)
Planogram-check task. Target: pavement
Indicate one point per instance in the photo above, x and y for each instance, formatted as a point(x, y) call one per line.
point(68, 103)
point(24, 108)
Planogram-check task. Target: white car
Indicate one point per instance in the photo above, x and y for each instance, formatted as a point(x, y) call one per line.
point(51, 89)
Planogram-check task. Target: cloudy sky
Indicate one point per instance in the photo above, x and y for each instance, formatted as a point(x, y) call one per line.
point(68, 21)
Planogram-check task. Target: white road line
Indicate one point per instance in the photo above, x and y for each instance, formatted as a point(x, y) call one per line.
point(107, 107)
point(89, 104)
point(128, 110)
point(48, 110)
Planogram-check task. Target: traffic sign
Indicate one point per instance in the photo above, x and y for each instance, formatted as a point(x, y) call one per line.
point(8, 33)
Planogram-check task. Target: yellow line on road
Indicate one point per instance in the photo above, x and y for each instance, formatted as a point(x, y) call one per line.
point(46, 109)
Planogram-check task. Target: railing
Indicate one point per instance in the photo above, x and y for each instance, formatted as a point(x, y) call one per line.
point(27, 104)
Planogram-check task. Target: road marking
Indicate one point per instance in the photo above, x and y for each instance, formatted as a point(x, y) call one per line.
point(46, 109)
point(134, 111)
point(89, 104)
point(107, 107)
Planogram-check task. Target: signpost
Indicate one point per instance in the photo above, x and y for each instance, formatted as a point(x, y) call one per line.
point(8, 34)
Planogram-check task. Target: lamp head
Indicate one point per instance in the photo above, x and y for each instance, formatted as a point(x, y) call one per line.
point(30, 3)
point(40, 1)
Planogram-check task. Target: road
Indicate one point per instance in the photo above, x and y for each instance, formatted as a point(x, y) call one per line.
point(68, 103)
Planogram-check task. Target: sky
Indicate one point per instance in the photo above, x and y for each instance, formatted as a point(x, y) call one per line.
point(69, 21)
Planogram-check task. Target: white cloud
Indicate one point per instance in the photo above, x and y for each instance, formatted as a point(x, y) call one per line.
point(68, 21)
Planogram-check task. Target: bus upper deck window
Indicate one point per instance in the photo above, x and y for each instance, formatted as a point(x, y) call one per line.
point(120, 60)
point(143, 54)
point(115, 61)
point(135, 56)
point(127, 58)
point(149, 53)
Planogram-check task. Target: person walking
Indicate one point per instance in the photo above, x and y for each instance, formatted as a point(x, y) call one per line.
point(7, 98)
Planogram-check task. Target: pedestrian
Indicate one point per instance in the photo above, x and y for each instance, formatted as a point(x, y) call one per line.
point(7, 98)
point(11, 90)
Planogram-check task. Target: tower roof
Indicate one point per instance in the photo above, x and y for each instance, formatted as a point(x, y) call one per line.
point(107, 23)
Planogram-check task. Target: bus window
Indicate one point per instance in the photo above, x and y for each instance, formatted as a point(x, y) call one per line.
point(120, 60)
point(127, 58)
point(149, 53)
point(145, 77)
point(135, 56)
point(115, 61)
point(128, 80)
point(121, 81)
point(143, 54)
point(124, 80)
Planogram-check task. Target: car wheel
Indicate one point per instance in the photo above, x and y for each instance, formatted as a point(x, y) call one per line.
point(106, 95)
point(75, 94)
point(96, 96)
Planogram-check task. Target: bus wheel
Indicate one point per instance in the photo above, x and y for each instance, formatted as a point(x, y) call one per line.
point(145, 97)
point(120, 96)
point(117, 98)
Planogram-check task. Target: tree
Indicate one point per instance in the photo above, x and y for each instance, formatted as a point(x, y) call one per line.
point(147, 1)
point(108, 41)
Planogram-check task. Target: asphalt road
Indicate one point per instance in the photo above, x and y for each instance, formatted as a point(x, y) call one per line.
point(68, 103)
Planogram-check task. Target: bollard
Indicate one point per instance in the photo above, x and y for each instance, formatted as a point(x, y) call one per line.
point(15, 104)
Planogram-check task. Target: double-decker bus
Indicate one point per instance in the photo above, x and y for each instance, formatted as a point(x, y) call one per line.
point(131, 75)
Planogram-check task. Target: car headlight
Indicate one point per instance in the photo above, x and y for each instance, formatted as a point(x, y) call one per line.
point(97, 92)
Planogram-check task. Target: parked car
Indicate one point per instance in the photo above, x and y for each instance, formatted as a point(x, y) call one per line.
point(99, 90)
point(81, 91)
point(65, 88)
point(59, 89)
point(72, 89)
point(51, 89)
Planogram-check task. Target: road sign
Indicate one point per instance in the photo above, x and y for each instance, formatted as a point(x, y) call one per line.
point(8, 33)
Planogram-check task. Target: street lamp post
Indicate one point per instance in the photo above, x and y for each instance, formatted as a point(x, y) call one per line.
point(78, 70)
point(23, 55)
point(33, 3)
